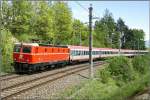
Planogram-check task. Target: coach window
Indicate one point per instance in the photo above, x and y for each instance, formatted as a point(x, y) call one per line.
point(76, 53)
point(73, 52)
point(81, 52)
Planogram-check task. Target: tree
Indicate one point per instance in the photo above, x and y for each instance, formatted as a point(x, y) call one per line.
point(6, 46)
point(104, 28)
point(43, 21)
point(79, 33)
point(134, 39)
point(62, 17)
point(6, 15)
point(122, 29)
point(115, 40)
point(21, 17)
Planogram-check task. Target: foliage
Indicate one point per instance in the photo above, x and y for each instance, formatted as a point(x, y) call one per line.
point(104, 29)
point(43, 21)
point(120, 68)
point(141, 64)
point(21, 17)
point(6, 45)
point(79, 33)
point(115, 40)
point(62, 17)
point(6, 15)
point(104, 74)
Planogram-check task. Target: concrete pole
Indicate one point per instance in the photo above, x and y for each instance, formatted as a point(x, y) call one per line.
point(90, 42)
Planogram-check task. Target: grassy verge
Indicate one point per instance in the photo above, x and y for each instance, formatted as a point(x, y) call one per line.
point(107, 87)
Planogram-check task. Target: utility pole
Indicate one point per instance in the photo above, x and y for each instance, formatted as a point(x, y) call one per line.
point(90, 42)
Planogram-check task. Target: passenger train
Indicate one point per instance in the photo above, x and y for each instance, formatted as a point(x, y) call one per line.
point(30, 57)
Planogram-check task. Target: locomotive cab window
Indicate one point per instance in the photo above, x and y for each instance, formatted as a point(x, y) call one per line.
point(17, 49)
point(26, 49)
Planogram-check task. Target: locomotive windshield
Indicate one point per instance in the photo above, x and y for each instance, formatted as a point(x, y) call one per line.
point(26, 49)
point(17, 48)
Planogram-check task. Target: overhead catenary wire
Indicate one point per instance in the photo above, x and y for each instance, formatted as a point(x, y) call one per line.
point(95, 14)
point(82, 6)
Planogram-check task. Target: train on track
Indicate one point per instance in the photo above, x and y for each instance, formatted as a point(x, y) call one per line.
point(30, 57)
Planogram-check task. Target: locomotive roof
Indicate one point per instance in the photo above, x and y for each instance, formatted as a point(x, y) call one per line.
point(29, 44)
point(51, 45)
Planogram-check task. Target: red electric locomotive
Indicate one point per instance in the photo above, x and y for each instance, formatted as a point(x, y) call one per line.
point(29, 57)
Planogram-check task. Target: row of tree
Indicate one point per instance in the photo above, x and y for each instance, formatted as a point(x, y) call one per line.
point(115, 34)
point(53, 23)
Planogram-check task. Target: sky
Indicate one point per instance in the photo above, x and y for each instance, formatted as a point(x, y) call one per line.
point(134, 13)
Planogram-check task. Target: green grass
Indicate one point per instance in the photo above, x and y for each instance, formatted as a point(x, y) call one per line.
point(95, 89)
point(109, 89)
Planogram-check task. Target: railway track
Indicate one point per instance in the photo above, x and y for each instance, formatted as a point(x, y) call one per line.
point(14, 90)
point(9, 76)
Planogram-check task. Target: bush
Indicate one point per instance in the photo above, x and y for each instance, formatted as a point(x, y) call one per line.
point(104, 75)
point(120, 68)
point(141, 64)
point(6, 46)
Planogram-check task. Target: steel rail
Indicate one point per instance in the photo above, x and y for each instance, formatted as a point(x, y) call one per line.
point(4, 78)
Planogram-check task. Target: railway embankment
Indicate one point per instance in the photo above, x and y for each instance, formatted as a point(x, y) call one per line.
point(120, 80)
